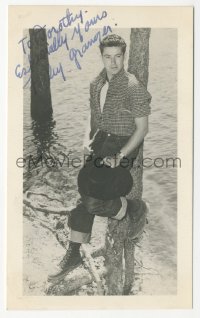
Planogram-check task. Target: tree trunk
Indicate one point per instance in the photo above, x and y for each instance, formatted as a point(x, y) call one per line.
point(119, 243)
point(138, 63)
point(41, 107)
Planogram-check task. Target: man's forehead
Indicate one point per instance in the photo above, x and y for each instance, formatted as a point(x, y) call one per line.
point(112, 50)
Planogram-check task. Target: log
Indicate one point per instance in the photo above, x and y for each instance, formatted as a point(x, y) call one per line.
point(75, 280)
point(41, 105)
point(120, 245)
point(92, 269)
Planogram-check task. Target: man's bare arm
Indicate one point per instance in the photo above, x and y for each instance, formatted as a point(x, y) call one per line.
point(133, 142)
point(138, 136)
point(87, 141)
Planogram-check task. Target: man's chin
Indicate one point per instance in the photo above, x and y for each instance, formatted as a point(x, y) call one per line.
point(114, 71)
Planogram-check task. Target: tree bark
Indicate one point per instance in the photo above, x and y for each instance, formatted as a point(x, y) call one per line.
point(41, 106)
point(120, 241)
point(138, 63)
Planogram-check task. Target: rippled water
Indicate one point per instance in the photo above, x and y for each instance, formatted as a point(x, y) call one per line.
point(65, 132)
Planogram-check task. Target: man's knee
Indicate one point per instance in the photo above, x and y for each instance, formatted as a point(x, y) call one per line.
point(106, 208)
point(93, 206)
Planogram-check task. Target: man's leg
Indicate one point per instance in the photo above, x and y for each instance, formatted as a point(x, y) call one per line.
point(80, 222)
point(115, 208)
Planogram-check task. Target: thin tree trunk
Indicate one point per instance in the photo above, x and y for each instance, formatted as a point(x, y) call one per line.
point(119, 243)
point(138, 63)
point(41, 106)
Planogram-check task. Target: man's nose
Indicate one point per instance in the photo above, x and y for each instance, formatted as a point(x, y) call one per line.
point(113, 62)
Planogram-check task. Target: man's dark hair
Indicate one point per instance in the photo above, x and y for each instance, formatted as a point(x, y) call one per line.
point(113, 40)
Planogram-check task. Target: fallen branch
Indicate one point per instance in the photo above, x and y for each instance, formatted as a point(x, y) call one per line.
point(28, 193)
point(72, 282)
point(92, 268)
point(43, 208)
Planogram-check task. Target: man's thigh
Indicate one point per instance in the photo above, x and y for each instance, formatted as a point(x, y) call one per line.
point(106, 208)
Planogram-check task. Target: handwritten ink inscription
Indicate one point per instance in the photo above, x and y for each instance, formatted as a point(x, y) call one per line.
point(58, 37)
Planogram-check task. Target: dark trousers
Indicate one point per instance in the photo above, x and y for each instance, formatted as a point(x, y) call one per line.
point(81, 218)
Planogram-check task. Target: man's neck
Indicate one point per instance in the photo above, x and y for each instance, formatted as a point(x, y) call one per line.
point(109, 76)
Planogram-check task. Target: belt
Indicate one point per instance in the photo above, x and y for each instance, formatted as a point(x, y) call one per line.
point(104, 134)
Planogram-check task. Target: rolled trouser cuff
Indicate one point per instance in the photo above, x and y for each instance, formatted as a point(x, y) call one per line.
point(79, 237)
point(122, 212)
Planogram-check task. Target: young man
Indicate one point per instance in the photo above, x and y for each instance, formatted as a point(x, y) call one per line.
point(119, 107)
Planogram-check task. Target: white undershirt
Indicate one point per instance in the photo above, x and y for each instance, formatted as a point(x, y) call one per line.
point(103, 95)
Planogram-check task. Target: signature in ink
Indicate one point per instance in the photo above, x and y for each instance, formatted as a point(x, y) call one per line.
point(24, 72)
point(75, 53)
point(56, 40)
point(54, 71)
point(87, 25)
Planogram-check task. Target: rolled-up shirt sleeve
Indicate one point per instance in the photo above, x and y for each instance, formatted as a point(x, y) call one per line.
point(139, 101)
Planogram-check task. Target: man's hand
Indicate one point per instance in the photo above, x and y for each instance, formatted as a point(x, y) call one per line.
point(87, 149)
point(112, 162)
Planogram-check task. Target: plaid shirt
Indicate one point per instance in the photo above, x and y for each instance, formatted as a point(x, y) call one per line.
point(126, 99)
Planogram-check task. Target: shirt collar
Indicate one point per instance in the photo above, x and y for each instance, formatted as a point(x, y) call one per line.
point(116, 77)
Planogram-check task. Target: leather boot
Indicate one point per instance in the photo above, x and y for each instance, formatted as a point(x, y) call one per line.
point(137, 211)
point(70, 261)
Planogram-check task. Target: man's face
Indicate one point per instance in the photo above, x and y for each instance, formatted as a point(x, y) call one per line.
point(113, 60)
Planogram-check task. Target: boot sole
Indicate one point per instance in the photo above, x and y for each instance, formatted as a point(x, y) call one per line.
point(60, 276)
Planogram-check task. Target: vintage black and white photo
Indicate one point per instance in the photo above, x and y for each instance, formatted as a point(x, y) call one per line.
point(101, 154)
